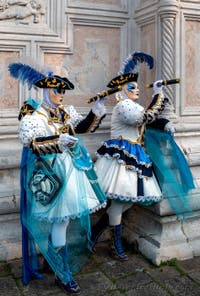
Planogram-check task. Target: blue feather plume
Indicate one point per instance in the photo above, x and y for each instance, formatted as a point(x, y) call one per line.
point(133, 59)
point(25, 73)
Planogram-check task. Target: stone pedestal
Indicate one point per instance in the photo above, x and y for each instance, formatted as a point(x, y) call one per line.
point(161, 236)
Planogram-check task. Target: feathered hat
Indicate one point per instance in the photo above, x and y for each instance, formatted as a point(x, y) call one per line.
point(34, 78)
point(126, 73)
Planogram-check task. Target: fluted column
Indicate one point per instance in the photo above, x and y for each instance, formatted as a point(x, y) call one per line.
point(167, 69)
point(167, 47)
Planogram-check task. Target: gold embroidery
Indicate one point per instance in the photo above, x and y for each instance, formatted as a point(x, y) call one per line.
point(64, 129)
point(132, 142)
point(49, 141)
point(26, 109)
point(95, 120)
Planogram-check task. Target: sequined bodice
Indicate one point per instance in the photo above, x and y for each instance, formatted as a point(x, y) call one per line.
point(126, 118)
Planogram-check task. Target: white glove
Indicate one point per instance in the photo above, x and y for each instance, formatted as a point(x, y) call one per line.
point(98, 107)
point(169, 127)
point(157, 87)
point(66, 141)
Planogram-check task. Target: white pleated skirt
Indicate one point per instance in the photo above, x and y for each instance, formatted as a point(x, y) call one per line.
point(121, 183)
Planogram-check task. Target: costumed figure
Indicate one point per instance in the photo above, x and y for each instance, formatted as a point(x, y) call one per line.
point(138, 148)
point(59, 187)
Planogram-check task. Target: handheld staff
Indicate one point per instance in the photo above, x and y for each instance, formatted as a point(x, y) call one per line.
point(166, 82)
point(105, 93)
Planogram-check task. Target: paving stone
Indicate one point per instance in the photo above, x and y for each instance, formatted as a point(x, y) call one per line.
point(113, 293)
point(103, 276)
point(182, 286)
point(16, 268)
point(103, 293)
point(103, 255)
point(102, 252)
point(42, 287)
point(95, 283)
point(163, 273)
point(151, 289)
point(115, 268)
point(195, 275)
point(191, 264)
point(133, 281)
point(90, 265)
point(4, 269)
point(8, 287)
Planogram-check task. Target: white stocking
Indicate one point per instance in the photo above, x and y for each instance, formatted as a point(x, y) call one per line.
point(58, 233)
point(115, 212)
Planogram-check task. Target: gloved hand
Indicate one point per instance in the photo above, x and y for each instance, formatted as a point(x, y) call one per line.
point(157, 87)
point(169, 127)
point(66, 141)
point(98, 107)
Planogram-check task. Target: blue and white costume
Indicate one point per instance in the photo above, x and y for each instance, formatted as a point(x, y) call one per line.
point(124, 168)
point(74, 201)
point(126, 164)
point(59, 187)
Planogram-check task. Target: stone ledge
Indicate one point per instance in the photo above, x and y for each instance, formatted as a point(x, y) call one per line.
point(163, 238)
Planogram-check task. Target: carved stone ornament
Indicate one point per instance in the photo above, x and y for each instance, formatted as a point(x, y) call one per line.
point(21, 10)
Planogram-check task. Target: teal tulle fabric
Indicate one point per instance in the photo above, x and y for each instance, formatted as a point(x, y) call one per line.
point(171, 169)
point(37, 217)
point(80, 157)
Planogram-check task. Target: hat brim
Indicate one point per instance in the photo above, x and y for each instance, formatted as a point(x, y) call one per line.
point(54, 82)
point(123, 79)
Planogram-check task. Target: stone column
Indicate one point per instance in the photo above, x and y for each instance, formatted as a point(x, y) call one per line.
point(167, 52)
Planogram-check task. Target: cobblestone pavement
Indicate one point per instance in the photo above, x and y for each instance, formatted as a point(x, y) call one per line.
point(103, 275)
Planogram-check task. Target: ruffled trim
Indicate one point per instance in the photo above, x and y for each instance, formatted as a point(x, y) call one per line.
point(73, 217)
point(96, 209)
point(131, 155)
point(135, 199)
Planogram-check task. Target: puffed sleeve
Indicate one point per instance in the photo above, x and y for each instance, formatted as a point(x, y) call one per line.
point(129, 112)
point(33, 134)
point(29, 129)
point(75, 117)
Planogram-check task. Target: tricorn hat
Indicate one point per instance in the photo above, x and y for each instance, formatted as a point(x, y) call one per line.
point(33, 77)
point(122, 79)
point(54, 82)
point(127, 74)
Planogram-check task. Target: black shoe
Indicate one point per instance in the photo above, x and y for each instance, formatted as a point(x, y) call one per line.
point(118, 256)
point(71, 287)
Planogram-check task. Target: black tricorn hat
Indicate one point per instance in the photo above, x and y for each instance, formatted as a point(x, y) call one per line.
point(122, 79)
point(54, 82)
